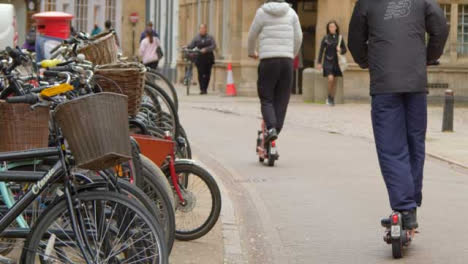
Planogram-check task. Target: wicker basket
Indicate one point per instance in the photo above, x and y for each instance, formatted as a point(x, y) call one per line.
point(22, 128)
point(102, 49)
point(96, 129)
point(131, 80)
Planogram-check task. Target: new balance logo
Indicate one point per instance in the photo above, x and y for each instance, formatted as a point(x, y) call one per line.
point(398, 9)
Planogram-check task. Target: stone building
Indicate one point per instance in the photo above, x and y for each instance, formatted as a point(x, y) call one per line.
point(229, 22)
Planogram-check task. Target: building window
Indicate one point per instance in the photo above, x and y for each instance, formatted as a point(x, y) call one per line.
point(447, 8)
point(50, 5)
point(462, 36)
point(81, 14)
point(110, 11)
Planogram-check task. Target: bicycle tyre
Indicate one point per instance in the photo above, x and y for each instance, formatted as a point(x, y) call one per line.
point(172, 91)
point(193, 169)
point(188, 148)
point(157, 191)
point(154, 92)
point(158, 212)
point(53, 213)
point(136, 162)
point(155, 174)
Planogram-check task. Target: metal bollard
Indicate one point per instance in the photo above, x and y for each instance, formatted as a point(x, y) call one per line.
point(447, 122)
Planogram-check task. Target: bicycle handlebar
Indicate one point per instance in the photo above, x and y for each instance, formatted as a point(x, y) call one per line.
point(60, 74)
point(59, 69)
point(14, 53)
point(23, 99)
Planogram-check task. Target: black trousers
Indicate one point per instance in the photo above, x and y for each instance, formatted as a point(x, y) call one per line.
point(204, 74)
point(275, 77)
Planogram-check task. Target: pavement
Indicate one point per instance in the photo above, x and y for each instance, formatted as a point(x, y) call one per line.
point(208, 249)
point(323, 201)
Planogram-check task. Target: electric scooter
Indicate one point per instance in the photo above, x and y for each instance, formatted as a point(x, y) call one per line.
point(395, 234)
point(266, 150)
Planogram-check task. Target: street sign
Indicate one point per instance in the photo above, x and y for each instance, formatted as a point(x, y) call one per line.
point(134, 17)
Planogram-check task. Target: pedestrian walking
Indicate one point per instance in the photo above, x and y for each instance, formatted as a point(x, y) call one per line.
point(277, 27)
point(149, 27)
point(148, 50)
point(96, 30)
point(30, 43)
point(389, 38)
point(204, 62)
point(332, 44)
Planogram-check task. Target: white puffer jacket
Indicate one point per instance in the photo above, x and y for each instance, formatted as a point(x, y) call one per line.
point(277, 27)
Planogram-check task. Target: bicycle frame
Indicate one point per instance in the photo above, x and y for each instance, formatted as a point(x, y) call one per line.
point(7, 195)
point(58, 170)
point(161, 152)
point(35, 191)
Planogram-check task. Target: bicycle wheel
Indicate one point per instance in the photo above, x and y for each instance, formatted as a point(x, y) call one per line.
point(133, 191)
point(184, 152)
point(155, 174)
point(160, 80)
point(135, 163)
point(156, 187)
point(164, 113)
point(117, 230)
point(200, 212)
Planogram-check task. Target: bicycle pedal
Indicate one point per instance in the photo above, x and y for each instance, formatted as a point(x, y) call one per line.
point(5, 260)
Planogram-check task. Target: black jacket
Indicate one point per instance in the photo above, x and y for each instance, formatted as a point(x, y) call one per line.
point(389, 38)
point(328, 46)
point(204, 42)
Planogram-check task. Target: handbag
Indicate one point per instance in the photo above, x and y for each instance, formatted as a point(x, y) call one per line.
point(159, 52)
point(342, 61)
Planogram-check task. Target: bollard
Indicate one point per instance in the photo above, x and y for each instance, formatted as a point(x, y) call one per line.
point(447, 122)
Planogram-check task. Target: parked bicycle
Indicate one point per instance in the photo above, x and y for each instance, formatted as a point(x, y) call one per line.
point(77, 226)
point(190, 56)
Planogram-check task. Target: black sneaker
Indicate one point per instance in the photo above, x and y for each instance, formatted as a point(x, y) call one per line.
point(332, 101)
point(271, 135)
point(410, 219)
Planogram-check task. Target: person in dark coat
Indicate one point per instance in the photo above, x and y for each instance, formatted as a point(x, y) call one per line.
point(389, 38)
point(206, 44)
point(30, 43)
point(329, 62)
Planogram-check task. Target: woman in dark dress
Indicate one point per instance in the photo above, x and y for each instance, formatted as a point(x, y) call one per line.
point(329, 62)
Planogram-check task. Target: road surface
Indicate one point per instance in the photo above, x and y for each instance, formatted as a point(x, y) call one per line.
point(323, 201)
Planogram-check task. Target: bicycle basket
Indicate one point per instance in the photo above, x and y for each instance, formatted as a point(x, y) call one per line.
point(131, 80)
point(22, 128)
point(102, 49)
point(96, 129)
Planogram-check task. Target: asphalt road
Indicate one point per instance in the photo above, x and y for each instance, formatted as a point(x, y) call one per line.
point(323, 201)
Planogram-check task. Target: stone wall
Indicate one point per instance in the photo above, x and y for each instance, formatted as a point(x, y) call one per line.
point(126, 37)
point(230, 24)
point(356, 83)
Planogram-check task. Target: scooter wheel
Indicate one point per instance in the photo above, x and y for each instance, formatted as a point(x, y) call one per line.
point(271, 160)
point(397, 247)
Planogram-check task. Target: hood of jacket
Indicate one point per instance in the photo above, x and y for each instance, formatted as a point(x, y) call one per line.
point(276, 9)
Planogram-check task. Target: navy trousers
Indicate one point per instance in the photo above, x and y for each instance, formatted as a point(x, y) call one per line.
point(400, 123)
